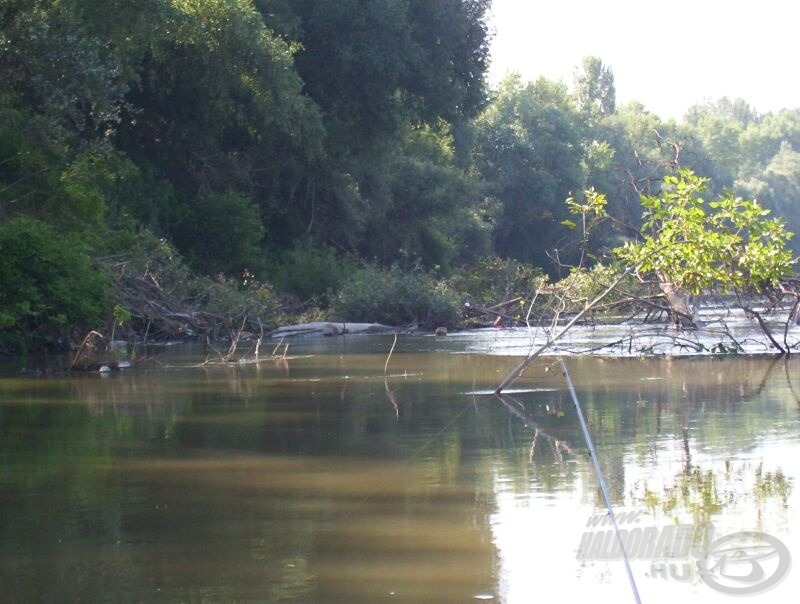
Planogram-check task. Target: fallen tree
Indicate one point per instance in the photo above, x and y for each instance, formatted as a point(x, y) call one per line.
point(686, 249)
point(164, 300)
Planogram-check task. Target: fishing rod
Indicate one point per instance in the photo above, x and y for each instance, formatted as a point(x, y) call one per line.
point(600, 478)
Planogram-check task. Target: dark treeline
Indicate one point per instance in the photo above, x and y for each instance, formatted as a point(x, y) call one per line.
point(298, 142)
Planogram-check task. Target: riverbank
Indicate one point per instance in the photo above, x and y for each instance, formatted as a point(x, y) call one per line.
point(149, 294)
point(153, 296)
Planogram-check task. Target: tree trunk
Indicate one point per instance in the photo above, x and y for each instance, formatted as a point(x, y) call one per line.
point(680, 311)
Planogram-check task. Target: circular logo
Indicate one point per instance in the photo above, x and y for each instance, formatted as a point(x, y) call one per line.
point(745, 563)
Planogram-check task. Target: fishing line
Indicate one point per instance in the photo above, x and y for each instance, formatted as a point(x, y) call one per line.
point(600, 478)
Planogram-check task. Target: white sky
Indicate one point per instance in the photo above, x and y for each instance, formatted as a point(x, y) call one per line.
point(668, 55)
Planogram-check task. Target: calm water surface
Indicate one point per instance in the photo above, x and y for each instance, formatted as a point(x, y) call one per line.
point(319, 480)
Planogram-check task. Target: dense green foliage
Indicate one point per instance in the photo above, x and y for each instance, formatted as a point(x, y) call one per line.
point(49, 285)
point(529, 149)
point(294, 139)
point(726, 244)
point(312, 272)
point(492, 279)
point(396, 297)
point(222, 234)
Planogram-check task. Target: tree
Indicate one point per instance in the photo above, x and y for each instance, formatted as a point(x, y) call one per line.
point(594, 89)
point(382, 72)
point(683, 249)
point(627, 155)
point(218, 222)
point(688, 246)
point(763, 137)
point(425, 209)
point(530, 154)
point(719, 127)
point(372, 66)
point(219, 108)
point(52, 69)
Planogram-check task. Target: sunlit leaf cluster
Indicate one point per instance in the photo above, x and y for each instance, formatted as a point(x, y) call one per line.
point(726, 244)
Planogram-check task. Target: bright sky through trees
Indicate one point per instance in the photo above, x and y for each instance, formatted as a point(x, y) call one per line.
point(668, 55)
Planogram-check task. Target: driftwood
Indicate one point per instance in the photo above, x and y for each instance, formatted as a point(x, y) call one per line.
point(678, 306)
point(322, 328)
point(90, 353)
point(157, 310)
point(97, 353)
point(281, 359)
point(552, 338)
point(176, 312)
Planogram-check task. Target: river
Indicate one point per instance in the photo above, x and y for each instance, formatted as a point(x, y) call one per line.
point(317, 478)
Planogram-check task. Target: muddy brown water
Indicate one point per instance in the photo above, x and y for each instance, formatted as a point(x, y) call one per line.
point(319, 479)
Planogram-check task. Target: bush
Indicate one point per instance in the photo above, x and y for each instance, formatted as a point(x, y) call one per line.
point(493, 280)
point(221, 233)
point(396, 297)
point(313, 273)
point(47, 286)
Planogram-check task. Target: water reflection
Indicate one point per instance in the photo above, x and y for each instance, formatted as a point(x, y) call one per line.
point(324, 480)
point(689, 443)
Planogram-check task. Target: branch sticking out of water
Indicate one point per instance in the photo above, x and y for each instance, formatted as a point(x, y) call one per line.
point(84, 346)
point(517, 371)
point(391, 350)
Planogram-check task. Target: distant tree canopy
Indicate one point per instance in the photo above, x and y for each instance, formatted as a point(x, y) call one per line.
point(594, 89)
point(530, 148)
point(372, 66)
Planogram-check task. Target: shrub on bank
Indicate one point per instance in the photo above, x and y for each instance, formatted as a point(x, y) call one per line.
point(492, 280)
point(221, 233)
point(48, 287)
point(312, 272)
point(396, 297)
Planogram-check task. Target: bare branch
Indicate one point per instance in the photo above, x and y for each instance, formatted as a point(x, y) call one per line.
point(516, 372)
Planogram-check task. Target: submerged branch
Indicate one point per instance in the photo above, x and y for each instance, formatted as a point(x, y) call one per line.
point(764, 328)
point(516, 408)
